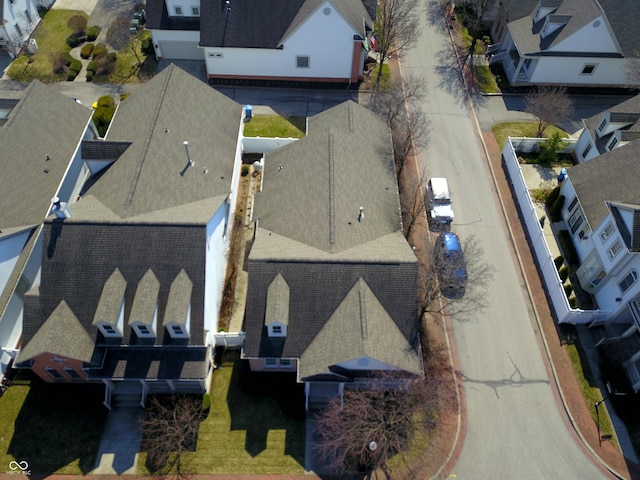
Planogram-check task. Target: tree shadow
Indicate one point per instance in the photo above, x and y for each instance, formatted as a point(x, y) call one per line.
point(259, 402)
point(57, 425)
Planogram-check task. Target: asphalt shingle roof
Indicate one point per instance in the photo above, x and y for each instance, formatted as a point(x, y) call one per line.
point(629, 110)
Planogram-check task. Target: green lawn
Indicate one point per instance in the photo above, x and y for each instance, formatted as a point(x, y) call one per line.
point(54, 428)
point(255, 424)
point(275, 126)
point(51, 38)
point(127, 69)
point(484, 79)
point(521, 129)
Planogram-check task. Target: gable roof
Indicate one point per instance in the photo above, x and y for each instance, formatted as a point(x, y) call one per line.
point(631, 236)
point(27, 139)
point(610, 177)
point(311, 235)
point(172, 108)
point(356, 329)
point(624, 18)
point(627, 111)
point(347, 163)
point(266, 23)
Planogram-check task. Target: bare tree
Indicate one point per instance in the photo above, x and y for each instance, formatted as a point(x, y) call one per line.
point(376, 422)
point(399, 107)
point(473, 17)
point(550, 106)
point(397, 29)
point(77, 23)
point(469, 301)
point(19, 37)
point(169, 431)
point(119, 36)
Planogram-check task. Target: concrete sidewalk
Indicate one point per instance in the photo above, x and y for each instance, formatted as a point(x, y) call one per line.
point(120, 442)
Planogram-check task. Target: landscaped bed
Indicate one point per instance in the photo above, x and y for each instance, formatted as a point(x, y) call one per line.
point(275, 126)
point(521, 129)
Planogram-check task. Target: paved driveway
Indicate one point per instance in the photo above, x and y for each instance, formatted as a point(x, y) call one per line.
point(86, 6)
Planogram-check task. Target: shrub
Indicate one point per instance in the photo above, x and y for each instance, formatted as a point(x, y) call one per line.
point(90, 75)
point(550, 147)
point(104, 113)
point(60, 61)
point(147, 46)
point(245, 170)
point(92, 67)
point(92, 33)
point(100, 50)
point(573, 302)
point(564, 273)
point(552, 197)
point(567, 246)
point(206, 403)
point(555, 212)
point(77, 23)
point(568, 289)
point(75, 66)
point(106, 101)
point(73, 40)
point(86, 50)
point(71, 75)
point(559, 261)
point(112, 57)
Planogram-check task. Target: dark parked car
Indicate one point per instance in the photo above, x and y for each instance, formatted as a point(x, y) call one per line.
point(451, 266)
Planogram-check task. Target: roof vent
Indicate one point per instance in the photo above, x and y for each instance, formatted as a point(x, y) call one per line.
point(60, 208)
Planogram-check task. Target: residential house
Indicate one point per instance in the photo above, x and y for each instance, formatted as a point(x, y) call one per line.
point(265, 40)
point(609, 129)
point(586, 43)
point(19, 19)
point(133, 273)
point(602, 213)
point(40, 137)
point(332, 292)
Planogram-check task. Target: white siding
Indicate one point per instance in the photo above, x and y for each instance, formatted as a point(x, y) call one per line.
point(365, 363)
point(10, 249)
point(581, 146)
point(568, 70)
point(185, 5)
point(592, 38)
point(216, 262)
point(326, 39)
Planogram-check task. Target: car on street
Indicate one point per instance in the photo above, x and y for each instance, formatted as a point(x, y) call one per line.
point(451, 267)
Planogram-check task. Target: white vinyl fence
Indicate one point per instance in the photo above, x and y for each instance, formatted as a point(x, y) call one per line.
point(264, 144)
point(563, 311)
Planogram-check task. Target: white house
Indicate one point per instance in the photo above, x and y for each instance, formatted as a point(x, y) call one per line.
point(40, 158)
point(19, 19)
point(144, 249)
point(572, 43)
point(610, 129)
point(265, 40)
point(602, 213)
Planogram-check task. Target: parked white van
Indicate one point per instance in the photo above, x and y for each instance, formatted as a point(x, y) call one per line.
point(439, 201)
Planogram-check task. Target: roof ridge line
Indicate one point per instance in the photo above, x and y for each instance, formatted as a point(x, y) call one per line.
point(332, 200)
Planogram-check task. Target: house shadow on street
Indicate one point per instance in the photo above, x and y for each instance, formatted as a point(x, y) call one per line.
point(58, 425)
point(260, 402)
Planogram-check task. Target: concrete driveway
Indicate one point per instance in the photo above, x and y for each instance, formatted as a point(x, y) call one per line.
point(86, 6)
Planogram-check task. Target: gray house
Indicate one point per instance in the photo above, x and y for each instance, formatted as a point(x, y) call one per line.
point(332, 289)
point(132, 273)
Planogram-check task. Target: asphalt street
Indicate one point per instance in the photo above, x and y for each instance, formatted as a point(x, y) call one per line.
point(515, 428)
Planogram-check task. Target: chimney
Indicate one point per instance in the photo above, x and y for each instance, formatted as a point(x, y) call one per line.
point(60, 208)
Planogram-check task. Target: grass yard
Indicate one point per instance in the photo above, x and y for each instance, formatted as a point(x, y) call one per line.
point(54, 428)
point(275, 126)
point(521, 129)
point(484, 79)
point(255, 424)
point(51, 39)
point(127, 69)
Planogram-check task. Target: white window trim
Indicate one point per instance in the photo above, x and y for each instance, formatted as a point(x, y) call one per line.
point(177, 11)
point(106, 329)
point(606, 232)
point(195, 10)
point(595, 67)
point(284, 364)
point(50, 371)
point(614, 249)
point(634, 278)
point(148, 334)
point(268, 364)
point(586, 150)
point(299, 57)
point(74, 378)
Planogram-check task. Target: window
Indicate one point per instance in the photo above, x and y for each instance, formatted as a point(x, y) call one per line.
point(629, 280)
point(285, 363)
point(615, 248)
point(302, 62)
point(143, 330)
point(19, 30)
point(588, 69)
point(575, 221)
point(612, 143)
point(277, 329)
point(176, 329)
point(270, 362)
point(573, 204)
point(177, 10)
point(73, 375)
point(53, 373)
point(586, 151)
point(109, 330)
point(606, 233)
point(195, 11)
point(603, 124)
point(598, 278)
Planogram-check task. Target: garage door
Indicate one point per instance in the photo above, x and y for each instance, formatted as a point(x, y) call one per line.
point(181, 51)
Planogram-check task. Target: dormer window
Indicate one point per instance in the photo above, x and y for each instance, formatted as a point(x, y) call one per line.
point(109, 316)
point(277, 308)
point(612, 144)
point(109, 330)
point(277, 330)
point(177, 315)
point(602, 125)
point(144, 311)
point(177, 11)
point(143, 331)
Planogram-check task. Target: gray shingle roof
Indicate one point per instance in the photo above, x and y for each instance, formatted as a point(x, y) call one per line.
point(265, 23)
point(42, 123)
point(310, 235)
point(103, 150)
point(629, 109)
point(158, 18)
point(110, 299)
point(624, 18)
point(347, 163)
point(610, 177)
point(278, 299)
point(145, 300)
point(178, 300)
point(359, 327)
point(153, 174)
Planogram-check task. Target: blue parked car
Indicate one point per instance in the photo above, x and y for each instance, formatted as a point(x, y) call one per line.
point(450, 264)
